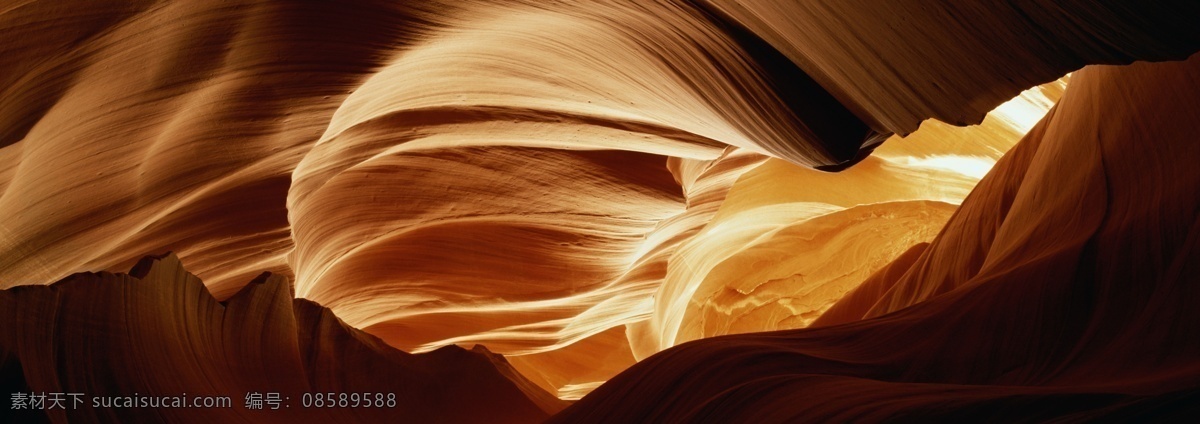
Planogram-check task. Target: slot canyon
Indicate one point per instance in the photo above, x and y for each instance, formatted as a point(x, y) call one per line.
point(618, 211)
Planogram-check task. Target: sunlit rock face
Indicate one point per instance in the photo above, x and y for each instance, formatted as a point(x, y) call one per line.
point(787, 241)
point(580, 186)
point(1054, 292)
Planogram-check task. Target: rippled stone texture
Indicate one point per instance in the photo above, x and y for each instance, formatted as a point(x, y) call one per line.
point(158, 332)
point(575, 185)
point(1055, 292)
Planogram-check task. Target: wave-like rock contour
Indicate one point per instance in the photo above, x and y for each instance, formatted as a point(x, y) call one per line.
point(157, 331)
point(1063, 289)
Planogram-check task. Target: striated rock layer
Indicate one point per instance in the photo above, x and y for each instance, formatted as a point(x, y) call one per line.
point(1063, 288)
point(158, 332)
point(576, 185)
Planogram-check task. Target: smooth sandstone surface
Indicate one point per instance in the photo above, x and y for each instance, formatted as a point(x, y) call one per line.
point(584, 186)
point(1053, 293)
point(157, 331)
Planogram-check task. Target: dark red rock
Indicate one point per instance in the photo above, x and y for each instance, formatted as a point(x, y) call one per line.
point(158, 332)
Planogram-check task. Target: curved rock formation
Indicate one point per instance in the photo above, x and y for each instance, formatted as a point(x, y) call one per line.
point(581, 185)
point(158, 332)
point(1055, 292)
